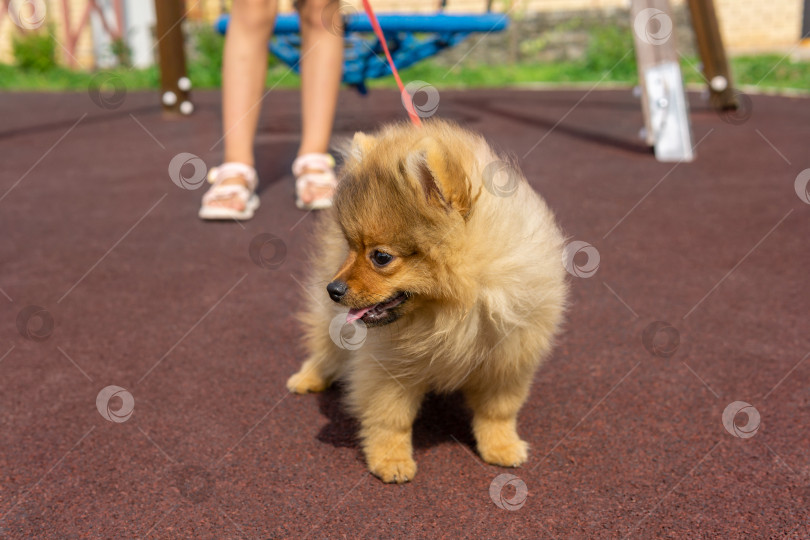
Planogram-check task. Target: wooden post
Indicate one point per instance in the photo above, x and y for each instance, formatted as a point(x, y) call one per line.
point(712, 54)
point(663, 100)
point(174, 83)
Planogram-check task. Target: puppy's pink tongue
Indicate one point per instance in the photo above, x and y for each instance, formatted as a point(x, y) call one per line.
point(355, 314)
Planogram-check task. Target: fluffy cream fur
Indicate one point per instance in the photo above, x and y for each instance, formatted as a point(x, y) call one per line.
point(484, 278)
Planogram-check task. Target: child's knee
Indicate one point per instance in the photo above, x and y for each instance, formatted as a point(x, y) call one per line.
point(318, 14)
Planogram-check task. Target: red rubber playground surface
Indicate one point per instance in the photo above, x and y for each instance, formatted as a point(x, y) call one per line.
point(698, 308)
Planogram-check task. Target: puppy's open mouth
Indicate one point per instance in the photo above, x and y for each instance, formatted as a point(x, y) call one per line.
point(378, 314)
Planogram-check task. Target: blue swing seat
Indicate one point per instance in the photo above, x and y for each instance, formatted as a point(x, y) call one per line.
point(364, 58)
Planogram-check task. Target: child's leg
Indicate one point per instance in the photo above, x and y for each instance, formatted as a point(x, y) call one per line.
point(243, 74)
point(321, 70)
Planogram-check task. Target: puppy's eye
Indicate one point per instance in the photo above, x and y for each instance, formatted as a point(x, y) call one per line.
point(381, 258)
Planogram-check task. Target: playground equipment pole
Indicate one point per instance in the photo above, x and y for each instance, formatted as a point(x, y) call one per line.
point(663, 100)
point(806, 23)
point(713, 54)
point(174, 83)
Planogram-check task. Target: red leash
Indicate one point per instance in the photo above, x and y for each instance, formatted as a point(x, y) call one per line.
point(407, 99)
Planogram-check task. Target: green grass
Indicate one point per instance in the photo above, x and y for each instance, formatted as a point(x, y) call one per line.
point(765, 71)
point(777, 72)
point(608, 58)
point(59, 78)
point(62, 79)
point(496, 76)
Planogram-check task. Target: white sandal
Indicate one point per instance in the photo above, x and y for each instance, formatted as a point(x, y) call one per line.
point(326, 178)
point(218, 191)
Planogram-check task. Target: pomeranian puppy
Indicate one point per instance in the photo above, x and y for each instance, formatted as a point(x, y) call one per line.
point(440, 250)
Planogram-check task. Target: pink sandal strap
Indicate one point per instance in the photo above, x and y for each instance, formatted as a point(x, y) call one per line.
point(231, 169)
point(318, 162)
point(219, 192)
point(316, 179)
point(321, 173)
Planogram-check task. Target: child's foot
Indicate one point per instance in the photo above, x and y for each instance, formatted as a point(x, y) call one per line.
point(232, 195)
point(315, 181)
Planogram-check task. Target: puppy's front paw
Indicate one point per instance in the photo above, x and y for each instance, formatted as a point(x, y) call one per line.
point(394, 470)
point(505, 453)
point(306, 380)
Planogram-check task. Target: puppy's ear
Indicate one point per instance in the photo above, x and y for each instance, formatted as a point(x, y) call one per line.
point(441, 177)
point(361, 144)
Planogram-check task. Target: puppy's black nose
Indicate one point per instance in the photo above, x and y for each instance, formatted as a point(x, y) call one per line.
point(336, 290)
